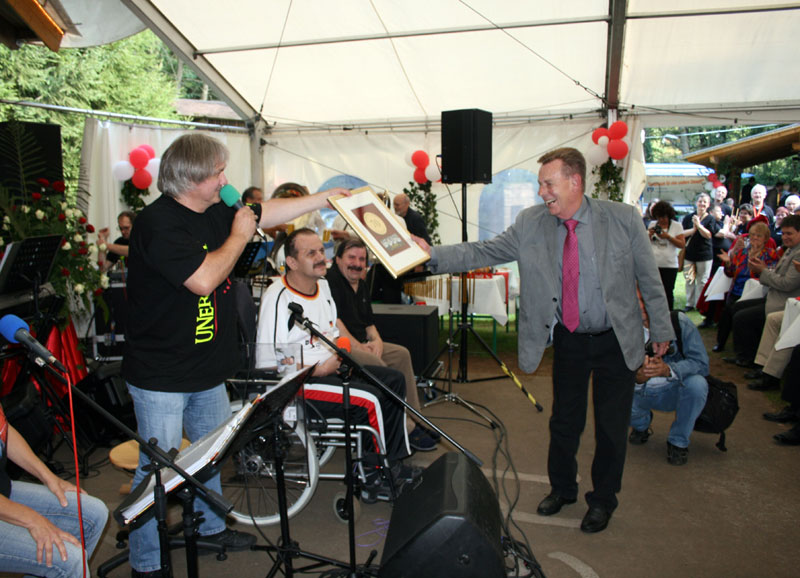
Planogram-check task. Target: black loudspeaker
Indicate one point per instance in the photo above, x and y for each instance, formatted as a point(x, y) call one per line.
point(447, 525)
point(415, 327)
point(106, 387)
point(466, 146)
point(39, 145)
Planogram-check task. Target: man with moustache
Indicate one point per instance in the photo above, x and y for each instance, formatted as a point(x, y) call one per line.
point(304, 283)
point(585, 297)
point(358, 324)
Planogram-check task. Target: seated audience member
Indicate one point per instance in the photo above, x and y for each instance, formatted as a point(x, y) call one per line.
point(351, 295)
point(735, 262)
point(666, 240)
point(743, 216)
point(118, 250)
point(720, 243)
point(758, 194)
point(791, 394)
point(775, 230)
point(783, 282)
point(252, 195)
point(676, 382)
point(792, 203)
point(40, 532)
point(304, 284)
point(773, 362)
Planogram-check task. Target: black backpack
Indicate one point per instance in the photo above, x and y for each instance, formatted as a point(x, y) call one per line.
point(722, 403)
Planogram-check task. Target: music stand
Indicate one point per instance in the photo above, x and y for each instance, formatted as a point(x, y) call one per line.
point(252, 260)
point(27, 264)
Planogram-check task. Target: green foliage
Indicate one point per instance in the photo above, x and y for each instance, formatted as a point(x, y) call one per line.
point(669, 144)
point(124, 77)
point(133, 196)
point(609, 181)
point(424, 201)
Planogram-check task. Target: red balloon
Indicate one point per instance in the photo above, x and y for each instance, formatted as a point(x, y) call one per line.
point(617, 130)
point(598, 132)
point(617, 149)
point(151, 153)
point(419, 176)
point(420, 159)
point(138, 158)
point(716, 184)
point(141, 179)
point(712, 177)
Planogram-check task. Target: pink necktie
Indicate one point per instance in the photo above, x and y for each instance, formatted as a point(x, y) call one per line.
point(570, 274)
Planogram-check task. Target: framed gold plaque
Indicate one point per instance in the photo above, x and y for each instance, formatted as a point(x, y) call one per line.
point(383, 232)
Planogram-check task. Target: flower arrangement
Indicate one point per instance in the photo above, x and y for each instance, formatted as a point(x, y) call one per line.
point(45, 211)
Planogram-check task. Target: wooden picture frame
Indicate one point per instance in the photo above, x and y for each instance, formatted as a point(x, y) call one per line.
point(383, 232)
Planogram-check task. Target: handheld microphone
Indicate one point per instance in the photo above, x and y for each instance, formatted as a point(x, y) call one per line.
point(15, 330)
point(231, 197)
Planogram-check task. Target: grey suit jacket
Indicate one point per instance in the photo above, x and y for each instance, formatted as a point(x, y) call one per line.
point(783, 281)
point(623, 256)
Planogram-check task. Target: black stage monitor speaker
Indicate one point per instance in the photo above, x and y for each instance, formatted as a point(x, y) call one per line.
point(415, 327)
point(448, 525)
point(466, 146)
point(106, 387)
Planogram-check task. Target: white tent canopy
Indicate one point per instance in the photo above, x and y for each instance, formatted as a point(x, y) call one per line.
point(359, 62)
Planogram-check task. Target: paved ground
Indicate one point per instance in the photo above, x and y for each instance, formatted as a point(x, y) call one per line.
point(724, 514)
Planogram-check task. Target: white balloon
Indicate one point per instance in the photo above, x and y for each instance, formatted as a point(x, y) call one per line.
point(408, 160)
point(432, 173)
point(152, 167)
point(596, 155)
point(708, 186)
point(122, 171)
point(603, 141)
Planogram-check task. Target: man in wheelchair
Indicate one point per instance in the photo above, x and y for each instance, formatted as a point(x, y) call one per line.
point(304, 283)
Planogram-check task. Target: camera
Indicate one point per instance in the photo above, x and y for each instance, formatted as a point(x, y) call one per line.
point(648, 349)
point(658, 230)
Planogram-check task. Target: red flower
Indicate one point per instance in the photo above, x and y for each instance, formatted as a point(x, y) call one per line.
point(65, 271)
point(90, 228)
point(83, 251)
point(99, 262)
point(59, 186)
point(63, 241)
point(36, 196)
point(98, 291)
point(74, 254)
point(13, 207)
point(43, 182)
point(83, 243)
point(82, 220)
point(62, 217)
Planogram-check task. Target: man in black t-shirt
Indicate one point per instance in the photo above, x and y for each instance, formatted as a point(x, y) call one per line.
point(181, 341)
point(117, 251)
point(354, 310)
point(414, 221)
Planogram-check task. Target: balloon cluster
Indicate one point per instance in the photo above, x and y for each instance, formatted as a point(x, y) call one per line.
point(141, 167)
point(609, 143)
point(424, 171)
point(714, 181)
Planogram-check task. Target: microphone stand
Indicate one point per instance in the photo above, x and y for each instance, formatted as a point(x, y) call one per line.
point(308, 324)
point(161, 459)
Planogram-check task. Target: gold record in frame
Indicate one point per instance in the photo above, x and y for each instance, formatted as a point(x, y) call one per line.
point(383, 232)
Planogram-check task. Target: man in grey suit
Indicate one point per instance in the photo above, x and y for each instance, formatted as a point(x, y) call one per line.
point(606, 337)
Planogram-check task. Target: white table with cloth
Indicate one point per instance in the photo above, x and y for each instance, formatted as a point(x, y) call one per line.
point(485, 295)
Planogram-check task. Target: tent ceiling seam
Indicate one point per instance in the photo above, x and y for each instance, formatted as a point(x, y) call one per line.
point(275, 60)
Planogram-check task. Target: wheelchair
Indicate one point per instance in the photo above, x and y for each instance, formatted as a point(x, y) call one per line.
point(249, 479)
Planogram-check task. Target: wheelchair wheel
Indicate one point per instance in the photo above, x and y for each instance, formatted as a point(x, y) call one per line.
point(249, 481)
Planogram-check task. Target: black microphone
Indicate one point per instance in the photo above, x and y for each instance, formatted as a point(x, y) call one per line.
point(15, 330)
point(231, 197)
point(297, 314)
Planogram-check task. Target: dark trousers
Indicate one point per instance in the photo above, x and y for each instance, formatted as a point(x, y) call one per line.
point(576, 358)
point(791, 379)
point(726, 319)
point(748, 323)
point(363, 410)
point(668, 277)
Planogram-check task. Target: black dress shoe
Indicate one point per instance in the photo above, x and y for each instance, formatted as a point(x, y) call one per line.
point(786, 415)
point(706, 323)
point(747, 363)
point(552, 504)
point(595, 520)
point(233, 540)
point(790, 437)
point(730, 359)
point(755, 374)
point(767, 383)
point(717, 348)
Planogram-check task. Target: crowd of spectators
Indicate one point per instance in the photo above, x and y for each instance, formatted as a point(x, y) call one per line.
point(757, 246)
